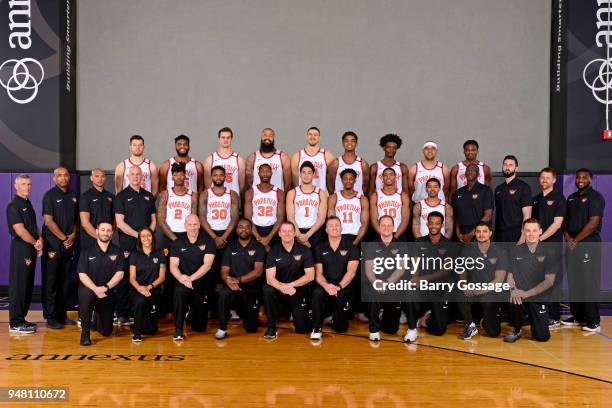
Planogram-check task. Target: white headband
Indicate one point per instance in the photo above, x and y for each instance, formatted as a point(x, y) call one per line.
point(430, 144)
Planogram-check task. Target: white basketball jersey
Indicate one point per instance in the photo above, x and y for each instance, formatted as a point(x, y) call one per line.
point(422, 175)
point(178, 208)
point(265, 206)
point(277, 168)
point(390, 205)
point(145, 166)
point(461, 180)
point(349, 212)
point(425, 211)
point(356, 166)
point(318, 160)
point(218, 209)
point(306, 207)
point(191, 174)
point(230, 164)
point(380, 167)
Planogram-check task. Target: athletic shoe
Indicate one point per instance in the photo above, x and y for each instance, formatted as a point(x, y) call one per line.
point(79, 322)
point(234, 315)
point(85, 340)
point(68, 322)
point(137, 338)
point(514, 336)
point(411, 336)
point(403, 318)
point(422, 322)
point(21, 329)
point(469, 331)
point(328, 320)
point(270, 334)
point(53, 324)
point(570, 321)
point(178, 335)
point(553, 323)
point(316, 334)
point(362, 318)
point(220, 334)
point(595, 328)
point(375, 336)
point(30, 324)
point(124, 321)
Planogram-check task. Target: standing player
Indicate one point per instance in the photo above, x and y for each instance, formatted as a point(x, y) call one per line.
point(585, 209)
point(432, 203)
point(348, 160)
point(226, 157)
point(472, 204)
point(26, 246)
point(95, 206)
point(390, 144)
point(390, 201)
point(194, 171)
point(59, 233)
point(319, 157)
point(457, 174)
point(289, 270)
point(307, 208)
point(351, 208)
point(512, 204)
point(264, 206)
point(278, 161)
point(150, 175)
point(422, 171)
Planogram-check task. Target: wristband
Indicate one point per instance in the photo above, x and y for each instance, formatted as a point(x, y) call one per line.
point(106, 286)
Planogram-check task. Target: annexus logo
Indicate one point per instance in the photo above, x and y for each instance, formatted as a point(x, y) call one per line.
point(599, 81)
point(99, 357)
point(24, 75)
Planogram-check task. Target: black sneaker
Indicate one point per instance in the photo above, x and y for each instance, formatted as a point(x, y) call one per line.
point(137, 338)
point(124, 321)
point(570, 321)
point(178, 335)
point(270, 334)
point(54, 324)
point(595, 328)
point(68, 322)
point(552, 323)
point(469, 331)
point(514, 336)
point(21, 329)
point(30, 324)
point(85, 339)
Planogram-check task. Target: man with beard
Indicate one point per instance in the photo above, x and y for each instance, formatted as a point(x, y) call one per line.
point(422, 171)
point(95, 206)
point(101, 268)
point(150, 176)
point(226, 157)
point(458, 178)
point(59, 233)
point(390, 144)
point(313, 153)
point(241, 269)
point(194, 171)
point(392, 202)
point(472, 203)
point(264, 206)
point(348, 160)
point(351, 208)
point(278, 161)
point(432, 203)
point(585, 209)
point(512, 204)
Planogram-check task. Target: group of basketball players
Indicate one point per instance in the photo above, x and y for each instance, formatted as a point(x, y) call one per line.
point(286, 232)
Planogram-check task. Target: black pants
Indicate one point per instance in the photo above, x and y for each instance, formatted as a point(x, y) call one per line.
point(491, 322)
point(145, 311)
point(89, 302)
point(389, 323)
point(538, 319)
point(298, 304)
point(265, 231)
point(56, 265)
point(437, 320)
point(250, 302)
point(584, 274)
point(170, 281)
point(127, 245)
point(318, 237)
point(193, 300)
point(340, 306)
point(21, 280)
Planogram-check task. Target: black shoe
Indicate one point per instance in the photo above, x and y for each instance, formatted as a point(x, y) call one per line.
point(85, 340)
point(30, 324)
point(137, 338)
point(21, 329)
point(592, 327)
point(68, 322)
point(54, 324)
point(469, 331)
point(570, 321)
point(178, 335)
point(270, 334)
point(124, 321)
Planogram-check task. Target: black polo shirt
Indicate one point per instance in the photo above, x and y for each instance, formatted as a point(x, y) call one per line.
point(289, 265)
point(378, 249)
point(335, 263)
point(100, 265)
point(494, 259)
point(529, 269)
point(469, 205)
point(99, 205)
point(580, 207)
point(147, 266)
point(545, 209)
point(191, 255)
point(241, 259)
point(20, 211)
point(427, 249)
point(510, 198)
point(62, 206)
point(136, 206)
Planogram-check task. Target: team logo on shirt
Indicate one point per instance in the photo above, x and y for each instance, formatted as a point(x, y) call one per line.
point(28, 261)
point(166, 252)
point(584, 200)
point(251, 252)
point(512, 191)
point(202, 247)
point(110, 199)
point(74, 199)
point(126, 254)
point(493, 261)
point(343, 252)
point(394, 251)
point(51, 254)
point(146, 198)
point(113, 257)
point(155, 260)
point(540, 258)
point(474, 196)
point(297, 257)
point(550, 202)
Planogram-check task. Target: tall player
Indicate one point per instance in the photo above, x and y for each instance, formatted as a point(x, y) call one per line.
point(457, 175)
point(348, 160)
point(264, 206)
point(194, 171)
point(226, 157)
point(351, 208)
point(279, 162)
point(390, 144)
point(319, 157)
point(422, 209)
point(425, 169)
point(392, 202)
point(149, 169)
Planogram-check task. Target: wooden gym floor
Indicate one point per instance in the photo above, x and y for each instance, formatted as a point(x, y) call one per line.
point(573, 369)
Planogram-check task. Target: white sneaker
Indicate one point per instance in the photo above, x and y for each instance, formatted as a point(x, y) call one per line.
point(362, 318)
point(375, 336)
point(220, 334)
point(422, 322)
point(403, 318)
point(316, 334)
point(411, 336)
point(234, 315)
